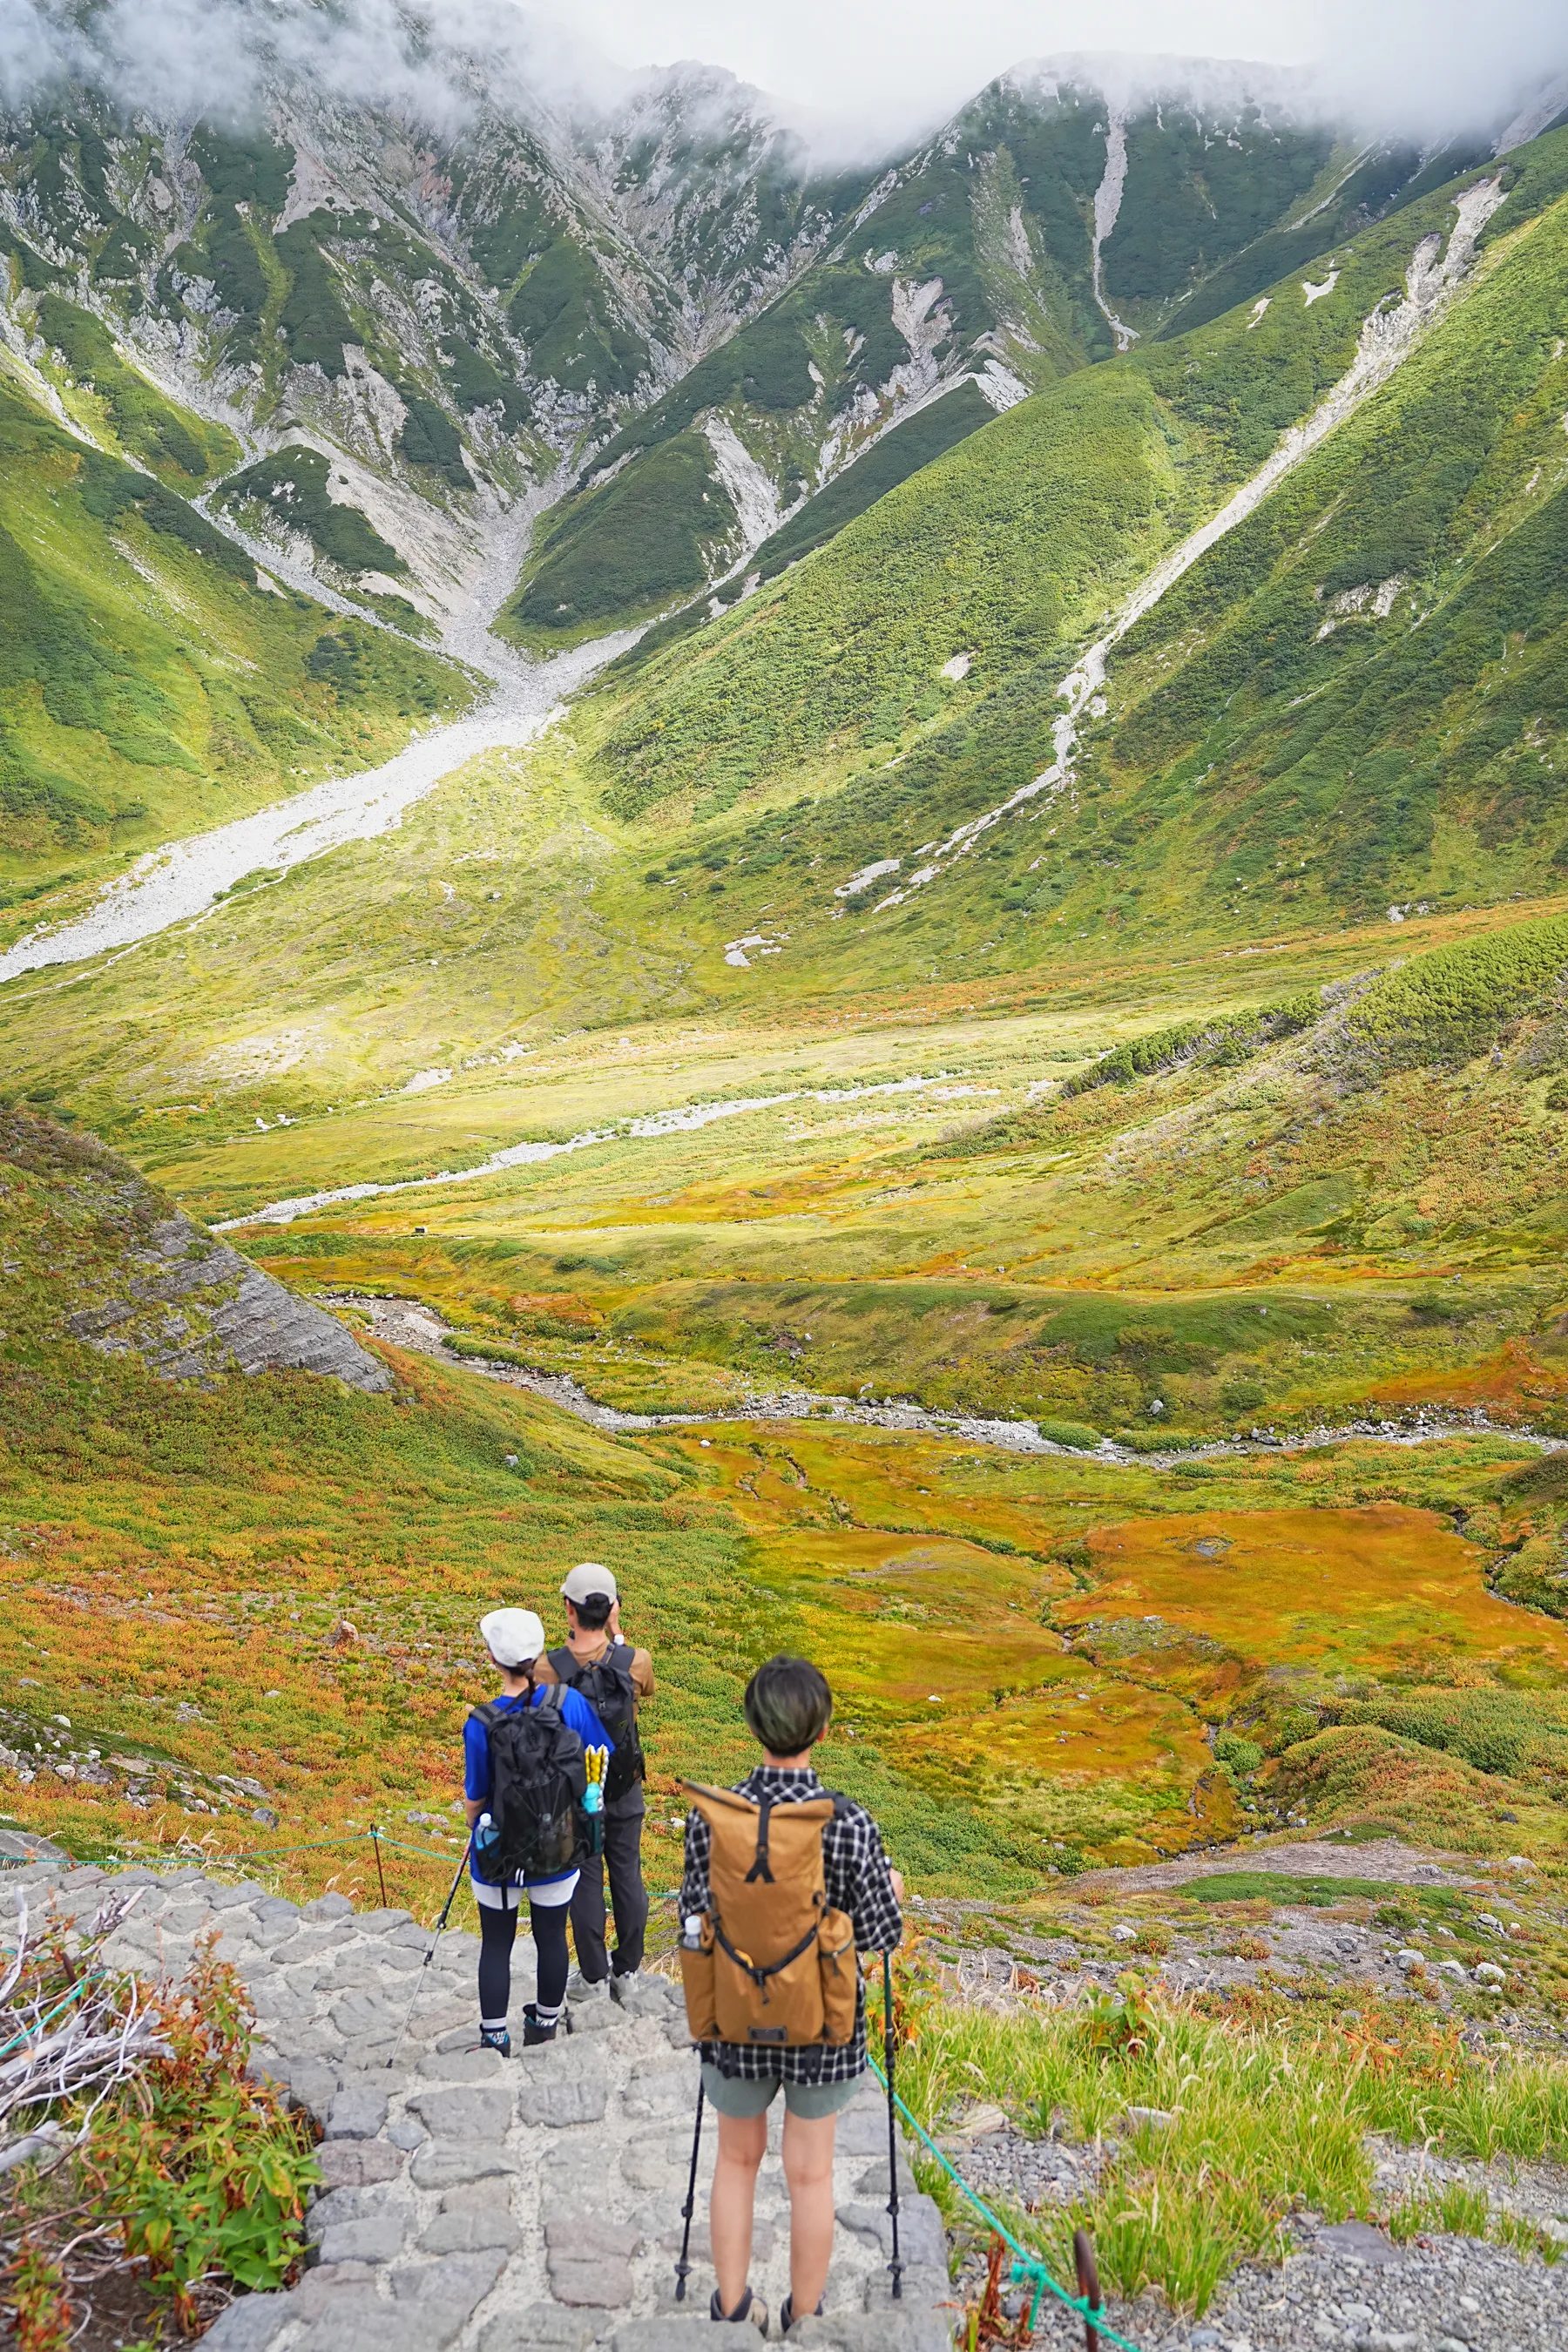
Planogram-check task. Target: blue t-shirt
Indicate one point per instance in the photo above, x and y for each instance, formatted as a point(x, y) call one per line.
point(575, 1714)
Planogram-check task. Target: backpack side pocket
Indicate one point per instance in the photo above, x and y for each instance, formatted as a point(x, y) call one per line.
point(840, 1974)
point(696, 1978)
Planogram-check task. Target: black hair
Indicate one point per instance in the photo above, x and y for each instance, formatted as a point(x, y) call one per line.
point(594, 1613)
point(788, 1704)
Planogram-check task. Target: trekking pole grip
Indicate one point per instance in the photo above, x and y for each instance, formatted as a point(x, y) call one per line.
point(889, 2044)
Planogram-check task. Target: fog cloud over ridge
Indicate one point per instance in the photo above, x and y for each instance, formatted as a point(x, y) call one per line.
point(182, 59)
point(1420, 68)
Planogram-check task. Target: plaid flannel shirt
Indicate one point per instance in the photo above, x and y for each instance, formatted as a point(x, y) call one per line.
point(858, 1879)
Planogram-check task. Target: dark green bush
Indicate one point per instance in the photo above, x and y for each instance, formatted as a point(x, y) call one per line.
point(293, 484)
point(430, 438)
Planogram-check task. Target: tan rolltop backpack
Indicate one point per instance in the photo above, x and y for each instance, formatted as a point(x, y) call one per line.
point(770, 1964)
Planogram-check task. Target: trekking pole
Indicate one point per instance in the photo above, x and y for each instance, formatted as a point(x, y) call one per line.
point(896, 2265)
point(683, 2267)
point(381, 1875)
point(419, 1979)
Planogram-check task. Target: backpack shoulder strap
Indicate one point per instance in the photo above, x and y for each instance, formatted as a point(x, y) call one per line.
point(565, 1666)
point(550, 1704)
point(842, 1806)
point(486, 1713)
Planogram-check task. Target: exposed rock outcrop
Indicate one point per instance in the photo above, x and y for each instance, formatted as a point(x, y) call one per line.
point(89, 1249)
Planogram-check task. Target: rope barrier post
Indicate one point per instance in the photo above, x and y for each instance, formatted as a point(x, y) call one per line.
point(1088, 2271)
point(1029, 2270)
point(380, 1873)
point(888, 2043)
point(683, 2267)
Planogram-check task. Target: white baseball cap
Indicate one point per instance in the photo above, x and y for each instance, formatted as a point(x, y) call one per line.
point(588, 1577)
point(513, 1635)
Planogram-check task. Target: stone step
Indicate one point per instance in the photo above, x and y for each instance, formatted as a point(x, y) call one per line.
point(490, 2204)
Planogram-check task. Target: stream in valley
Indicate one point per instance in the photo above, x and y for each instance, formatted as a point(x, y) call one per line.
point(408, 1323)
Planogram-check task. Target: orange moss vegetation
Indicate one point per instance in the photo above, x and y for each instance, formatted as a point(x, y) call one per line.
point(1383, 1592)
point(1514, 1383)
point(174, 1566)
point(1369, 1779)
point(938, 1630)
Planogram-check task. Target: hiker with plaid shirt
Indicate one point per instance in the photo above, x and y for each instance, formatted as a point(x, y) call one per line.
point(789, 1707)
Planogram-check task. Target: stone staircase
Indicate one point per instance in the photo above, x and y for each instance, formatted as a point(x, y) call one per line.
point(492, 2204)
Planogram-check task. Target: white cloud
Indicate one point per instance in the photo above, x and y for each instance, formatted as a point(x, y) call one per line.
point(903, 65)
point(1416, 64)
point(869, 71)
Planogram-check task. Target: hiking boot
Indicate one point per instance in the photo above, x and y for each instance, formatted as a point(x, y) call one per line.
point(585, 1988)
point(534, 2031)
point(750, 2307)
point(786, 2316)
point(495, 2038)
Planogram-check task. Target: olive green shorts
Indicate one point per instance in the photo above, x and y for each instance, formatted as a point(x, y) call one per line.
point(732, 2096)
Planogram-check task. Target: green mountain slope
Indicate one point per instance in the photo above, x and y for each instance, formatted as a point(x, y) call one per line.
point(971, 264)
point(1372, 677)
point(149, 684)
point(1008, 550)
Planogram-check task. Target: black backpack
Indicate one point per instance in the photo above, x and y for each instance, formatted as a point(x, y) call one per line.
point(537, 1784)
point(608, 1687)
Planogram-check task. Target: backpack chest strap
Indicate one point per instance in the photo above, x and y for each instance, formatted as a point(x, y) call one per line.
point(760, 1972)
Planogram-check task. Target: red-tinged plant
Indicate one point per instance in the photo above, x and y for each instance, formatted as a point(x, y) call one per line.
point(41, 2310)
point(204, 2169)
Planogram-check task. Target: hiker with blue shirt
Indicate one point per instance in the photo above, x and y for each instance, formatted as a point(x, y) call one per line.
point(526, 1783)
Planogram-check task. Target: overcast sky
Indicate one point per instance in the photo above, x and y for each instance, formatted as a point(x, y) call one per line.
point(909, 62)
point(868, 73)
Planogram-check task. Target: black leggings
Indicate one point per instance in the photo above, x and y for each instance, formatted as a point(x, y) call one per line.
point(497, 1930)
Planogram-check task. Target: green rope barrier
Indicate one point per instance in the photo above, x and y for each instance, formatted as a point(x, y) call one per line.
point(59, 2009)
point(1028, 2268)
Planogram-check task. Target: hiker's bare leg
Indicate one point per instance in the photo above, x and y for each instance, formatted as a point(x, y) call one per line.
point(808, 2170)
point(742, 2140)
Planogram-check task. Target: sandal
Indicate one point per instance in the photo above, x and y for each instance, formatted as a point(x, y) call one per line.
point(750, 2307)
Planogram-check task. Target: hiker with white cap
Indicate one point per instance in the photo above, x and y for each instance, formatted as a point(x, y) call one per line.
point(525, 1782)
point(600, 1665)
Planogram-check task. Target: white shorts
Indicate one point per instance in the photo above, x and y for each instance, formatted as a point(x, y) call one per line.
point(548, 1893)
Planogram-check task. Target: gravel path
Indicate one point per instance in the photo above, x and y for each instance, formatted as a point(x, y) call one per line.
point(1388, 1861)
point(1348, 2287)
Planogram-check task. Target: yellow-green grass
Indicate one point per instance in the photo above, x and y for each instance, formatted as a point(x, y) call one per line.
point(1200, 1250)
point(1270, 2112)
point(830, 1245)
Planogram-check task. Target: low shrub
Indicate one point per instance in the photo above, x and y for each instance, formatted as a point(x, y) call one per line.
point(1076, 1433)
point(1446, 1007)
point(187, 2174)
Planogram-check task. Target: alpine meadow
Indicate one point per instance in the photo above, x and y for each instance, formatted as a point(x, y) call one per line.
point(838, 874)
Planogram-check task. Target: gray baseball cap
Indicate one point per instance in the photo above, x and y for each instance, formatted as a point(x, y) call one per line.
point(588, 1577)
